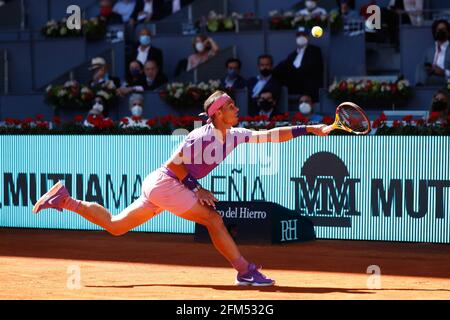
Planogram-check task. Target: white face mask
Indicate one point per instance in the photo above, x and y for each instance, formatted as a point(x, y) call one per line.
point(136, 111)
point(302, 41)
point(200, 46)
point(98, 107)
point(305, 108)
point(310, 5)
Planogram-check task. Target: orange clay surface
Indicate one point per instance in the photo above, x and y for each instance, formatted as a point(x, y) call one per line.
point(39, 264)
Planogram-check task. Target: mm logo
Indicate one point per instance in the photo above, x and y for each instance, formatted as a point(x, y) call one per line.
point(325, 193)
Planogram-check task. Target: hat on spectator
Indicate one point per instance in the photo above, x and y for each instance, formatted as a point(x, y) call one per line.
point(97, 62)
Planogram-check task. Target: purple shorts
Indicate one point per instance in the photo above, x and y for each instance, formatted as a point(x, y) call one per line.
point(160, 192)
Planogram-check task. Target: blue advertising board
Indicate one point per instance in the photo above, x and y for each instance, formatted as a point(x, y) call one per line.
point(390, 188)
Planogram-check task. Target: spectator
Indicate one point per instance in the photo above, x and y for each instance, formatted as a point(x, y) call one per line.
point(99, 107)
point(233, 80)
point(100, 76)
point(350, 3)
point(440, 105)
point(125, 9)
point(204, 48)
point(346, 12)
point(311, 9)
point(302, 70)
point(134, 81)
point(306, 105)
point(434, 69)
point(154, 78)
point(145, 51)
point(147, 10)
point(136, 104)
point(263, 82)
point(266, 105)
point(106, 13)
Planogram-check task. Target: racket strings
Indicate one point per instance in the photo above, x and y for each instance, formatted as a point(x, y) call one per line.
point(353, 119)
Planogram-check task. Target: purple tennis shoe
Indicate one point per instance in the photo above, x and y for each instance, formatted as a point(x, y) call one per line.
point(253, 278)
point(54, 198)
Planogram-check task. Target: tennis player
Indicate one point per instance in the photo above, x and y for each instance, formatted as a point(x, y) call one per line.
point(174, 186)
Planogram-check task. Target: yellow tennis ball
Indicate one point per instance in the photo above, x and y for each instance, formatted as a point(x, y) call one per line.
point(317, 32)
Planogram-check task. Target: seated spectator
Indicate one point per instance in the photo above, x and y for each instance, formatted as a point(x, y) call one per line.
point(311, 9)
point(99, 107)
point(146, 11)
point(153, 77)
point(145, 51)
point(106, 13)
point(136, 104)
point(266, 105)
point(233, 80)
point(440, 105)
point(263, 82)
point(346, 12)
point(100, 76)
point(125, 9)
point(306, 105)
point(134, 81)
point(302, 70)
point(434, 69)
point(204, 48)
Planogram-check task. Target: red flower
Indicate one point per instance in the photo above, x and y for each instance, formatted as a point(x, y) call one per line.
point(151, 122)
point(107, 123)
point(245, 118)
point(43, 125)
point(136, 118)
point(328, 120)
point(27, 120)
point(376, 123)
point(420, 122)
point(383, 117)
point(39, 117)
point(408, 118)
point(299, 117)
point(57, 120)
point(78, 118)
point(343, 86)
point(396, 123)
point(25, 126)
point(10, 121)
point(124, 120)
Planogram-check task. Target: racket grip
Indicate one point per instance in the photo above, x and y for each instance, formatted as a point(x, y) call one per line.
point(298, 131)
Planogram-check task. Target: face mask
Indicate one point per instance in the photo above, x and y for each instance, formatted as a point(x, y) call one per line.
point(302, 41)
point(232, 73)
point(135, 72)
point(265, 72)
point(439, 105)
point(265, 105)
point(200, 46)
point(305, 108)
point(136, 111)
point(105, 11)
point(310, 5)
point(145, 40)
point(441, 35)
point(98, 107)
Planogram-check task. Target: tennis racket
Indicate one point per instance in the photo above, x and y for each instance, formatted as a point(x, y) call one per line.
point(351, 118)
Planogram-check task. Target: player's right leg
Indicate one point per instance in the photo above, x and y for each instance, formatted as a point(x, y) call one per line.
point(134, 215)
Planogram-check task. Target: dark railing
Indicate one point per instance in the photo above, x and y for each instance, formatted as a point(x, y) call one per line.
point(4, 81)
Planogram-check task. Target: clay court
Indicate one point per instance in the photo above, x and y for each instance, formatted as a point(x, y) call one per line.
point(34, 264)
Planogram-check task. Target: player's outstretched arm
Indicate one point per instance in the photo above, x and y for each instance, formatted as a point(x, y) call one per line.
point(283, 134)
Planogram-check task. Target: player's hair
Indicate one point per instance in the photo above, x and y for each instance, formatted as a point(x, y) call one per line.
point(211, 99)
